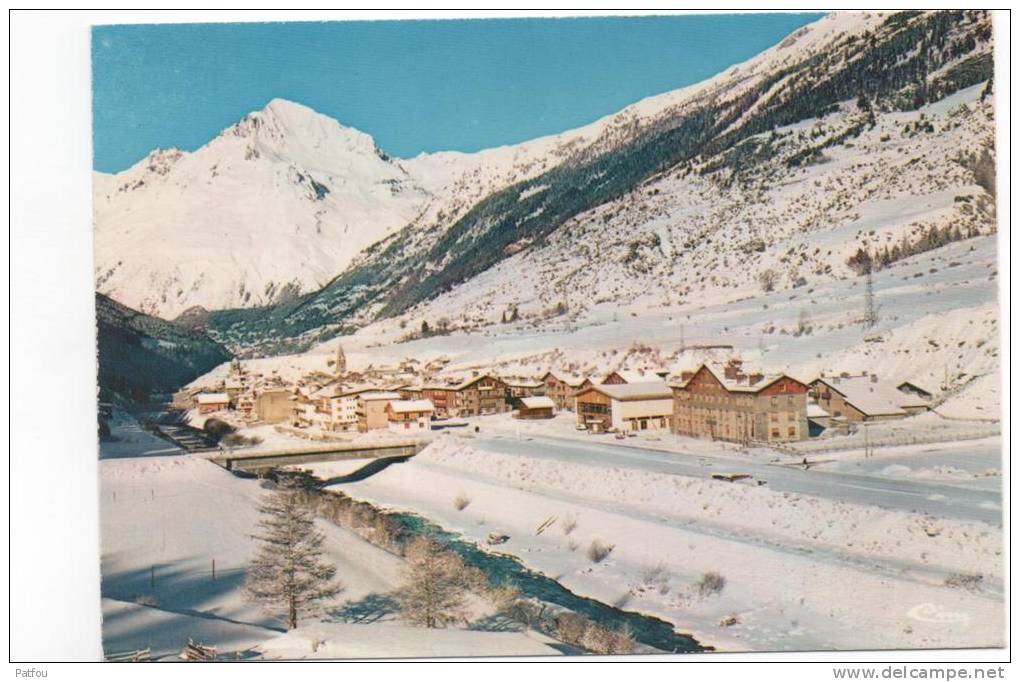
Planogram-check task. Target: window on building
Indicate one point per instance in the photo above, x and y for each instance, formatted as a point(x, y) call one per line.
point(791, 431)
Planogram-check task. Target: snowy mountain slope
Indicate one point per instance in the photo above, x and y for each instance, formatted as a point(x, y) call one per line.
point(139, 354)
point(271, 207)
point(637, 193)
point(689, 237)
point(282, 202)
point(276, 206)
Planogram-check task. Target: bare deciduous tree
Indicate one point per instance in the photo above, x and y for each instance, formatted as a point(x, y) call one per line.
point(287, 575)
point(432, 594)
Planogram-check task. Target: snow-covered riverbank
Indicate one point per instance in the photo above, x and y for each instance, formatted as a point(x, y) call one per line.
point(163, 522)
point(800, 572)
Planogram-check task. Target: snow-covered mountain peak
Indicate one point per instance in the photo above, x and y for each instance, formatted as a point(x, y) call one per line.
point(291, 132)
point(296, 198)
point(273, 206)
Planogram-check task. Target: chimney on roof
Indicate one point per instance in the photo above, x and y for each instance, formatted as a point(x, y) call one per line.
point(874, 378)
point(844, 375)
point(755, 377)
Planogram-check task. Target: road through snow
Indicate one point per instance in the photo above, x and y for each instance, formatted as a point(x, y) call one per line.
point(923, 496)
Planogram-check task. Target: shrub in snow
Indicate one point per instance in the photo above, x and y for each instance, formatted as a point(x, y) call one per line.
point(570, 627)
point(966, 581)
point(598, 639)
point(236, 439)
point(569, 524)
point(623, 641)
point(505, 598)
point(710, 583)
point(768, 279)
point(461, 502)
point(656, 574)
point(573, 628)
point(217, 428)
point(598, 550)
point(146, 600)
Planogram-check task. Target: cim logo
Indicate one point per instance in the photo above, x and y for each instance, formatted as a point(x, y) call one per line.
point(933, 613)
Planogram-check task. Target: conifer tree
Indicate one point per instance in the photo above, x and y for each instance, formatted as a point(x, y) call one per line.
point(287, 576)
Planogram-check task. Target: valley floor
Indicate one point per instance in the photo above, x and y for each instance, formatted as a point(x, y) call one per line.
point(166, 517)
point(803, 570)
point(916, 530)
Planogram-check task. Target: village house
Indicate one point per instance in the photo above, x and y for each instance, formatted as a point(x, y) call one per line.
point(274, 405)
point(334, 407)
point(625, 407)
point(212, 402)
point(441, 398)
point(627, 376)
point(343, 408)
point(409, 415)
point(536, 407)
point(562, 387)
point(244, 404)
point(184, 399)
point(865, 398)
point(738, 406)
point(482, 394)
point(304, 412)
point(371, 409)
point(235, 385)
point(522, 388)
point(411, 392)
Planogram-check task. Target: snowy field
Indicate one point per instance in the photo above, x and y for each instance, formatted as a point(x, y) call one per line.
point(165, 519)
point(786, 558)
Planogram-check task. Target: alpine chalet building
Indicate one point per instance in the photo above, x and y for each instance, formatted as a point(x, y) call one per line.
point(740, 407)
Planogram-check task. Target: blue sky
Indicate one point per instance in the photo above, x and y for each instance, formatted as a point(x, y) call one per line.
point(413, 85)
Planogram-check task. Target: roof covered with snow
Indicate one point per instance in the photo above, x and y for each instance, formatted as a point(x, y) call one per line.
point(741, 385)
point(870, 395)
point(568, 379)
point(212, 398)
point(645, 390)
point(635, 376)
point(336, 390)
point(815, 411)
point(473, 380)
point(538, 402)
point(412, 406)
point(523, 383)
point(380, 395)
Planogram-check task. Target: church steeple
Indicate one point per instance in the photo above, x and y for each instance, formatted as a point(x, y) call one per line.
point(341, 361)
